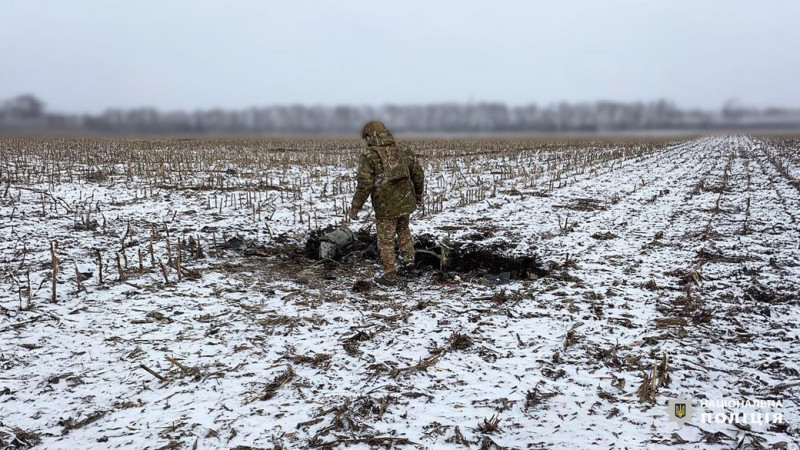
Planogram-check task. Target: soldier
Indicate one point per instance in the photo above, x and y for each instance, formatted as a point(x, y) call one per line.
point(394, 179)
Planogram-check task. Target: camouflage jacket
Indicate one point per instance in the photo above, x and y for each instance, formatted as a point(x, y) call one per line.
point(393, 177)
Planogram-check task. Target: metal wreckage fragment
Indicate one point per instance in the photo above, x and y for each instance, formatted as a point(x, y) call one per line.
point(335, 243)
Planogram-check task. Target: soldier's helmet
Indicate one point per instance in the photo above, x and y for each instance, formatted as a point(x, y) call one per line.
point(373, 127)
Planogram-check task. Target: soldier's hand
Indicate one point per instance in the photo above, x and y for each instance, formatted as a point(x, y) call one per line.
point(353, 214)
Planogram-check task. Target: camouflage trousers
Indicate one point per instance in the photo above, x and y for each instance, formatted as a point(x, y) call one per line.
point(386, 229)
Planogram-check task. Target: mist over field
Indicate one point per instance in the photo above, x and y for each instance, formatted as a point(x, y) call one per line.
point(251, 67)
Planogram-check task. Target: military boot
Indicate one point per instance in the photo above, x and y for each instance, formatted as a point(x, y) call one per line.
point(387, 279)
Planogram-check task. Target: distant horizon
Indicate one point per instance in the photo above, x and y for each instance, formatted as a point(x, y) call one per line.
point(733, 102)
point(409, 104)
point(27, 112)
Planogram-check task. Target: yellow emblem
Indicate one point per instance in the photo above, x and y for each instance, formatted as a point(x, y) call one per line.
point(680, 410)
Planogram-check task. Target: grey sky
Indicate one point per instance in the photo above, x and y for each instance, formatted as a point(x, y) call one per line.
point(84, 56)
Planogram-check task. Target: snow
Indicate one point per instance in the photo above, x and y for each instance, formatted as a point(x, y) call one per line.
point(279, 351)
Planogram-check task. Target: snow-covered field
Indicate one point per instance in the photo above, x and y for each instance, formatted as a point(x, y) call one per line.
point(672, 273)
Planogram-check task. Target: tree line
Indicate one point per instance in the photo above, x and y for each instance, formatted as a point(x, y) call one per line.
point(27, 113)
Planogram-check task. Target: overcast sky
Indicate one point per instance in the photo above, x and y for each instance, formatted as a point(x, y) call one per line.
point(86, 55)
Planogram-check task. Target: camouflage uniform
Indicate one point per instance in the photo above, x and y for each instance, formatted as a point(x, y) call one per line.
point(393, 177)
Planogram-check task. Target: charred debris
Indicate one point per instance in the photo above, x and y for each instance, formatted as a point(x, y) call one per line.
point(470, 256)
